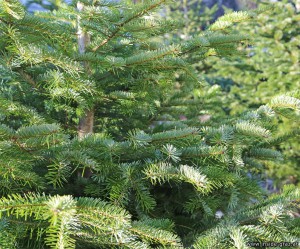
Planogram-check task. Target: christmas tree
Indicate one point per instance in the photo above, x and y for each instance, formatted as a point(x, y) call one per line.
point(93, 154)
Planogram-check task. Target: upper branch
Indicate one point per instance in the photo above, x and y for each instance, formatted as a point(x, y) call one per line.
point(119, 26)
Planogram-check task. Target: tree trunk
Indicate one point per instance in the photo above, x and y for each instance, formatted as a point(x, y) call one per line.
point(86, 122)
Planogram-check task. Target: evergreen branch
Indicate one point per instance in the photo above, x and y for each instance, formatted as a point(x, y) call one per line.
point(284, 101)
point(9, 108)
point(151, 56)
point(247, 128)
point(229, 19)
point(6, 132)
point(194, 44)
point(163, 172)
point(37, 131)
point(263, 153)
point(174, 134)
point(203, 151)
point(155, 235)
point(119, 26)
point(91, 206)
point(13, 8)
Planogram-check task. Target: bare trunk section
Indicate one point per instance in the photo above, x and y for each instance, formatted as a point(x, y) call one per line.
point(86, 122)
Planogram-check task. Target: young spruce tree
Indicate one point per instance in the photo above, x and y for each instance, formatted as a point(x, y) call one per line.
point(98, 65)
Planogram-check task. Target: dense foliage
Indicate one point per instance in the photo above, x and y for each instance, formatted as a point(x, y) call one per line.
point(270, 66)
point(93, 153)
point(266, 66)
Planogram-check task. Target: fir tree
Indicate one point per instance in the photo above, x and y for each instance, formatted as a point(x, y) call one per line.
point(170, 186)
